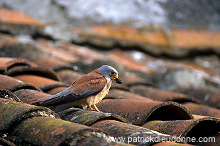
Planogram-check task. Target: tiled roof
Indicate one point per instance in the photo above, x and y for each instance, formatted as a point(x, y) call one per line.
point(161, 97)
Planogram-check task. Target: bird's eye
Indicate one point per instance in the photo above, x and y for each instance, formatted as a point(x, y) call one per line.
point(112, 73)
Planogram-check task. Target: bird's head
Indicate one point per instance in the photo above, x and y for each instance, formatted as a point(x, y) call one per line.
point(110, 73)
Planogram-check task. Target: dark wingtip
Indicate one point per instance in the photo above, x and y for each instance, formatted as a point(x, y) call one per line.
point(118, 81)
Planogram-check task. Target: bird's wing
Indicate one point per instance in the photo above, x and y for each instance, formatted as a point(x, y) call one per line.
point(88, 88)
point(85, 86)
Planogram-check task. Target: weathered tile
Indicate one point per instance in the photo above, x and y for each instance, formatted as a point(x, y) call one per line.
point(205, 127)
point(140, 111)
point(204, 110)
point(207, 95)
point(30, 96)
point(47, 131)
point(13, 84)
point(50, 49)
point(161, 95)
point(7, 63)
point(83, 54)
point(16, 22)
point(87, 117)
point(45, 84)
point(129, 62)
point(38, 71)
point(6, 94)
point(14, 112)
point(68, 76)
point(129, 132)
point(122, 94)
point(156, 42)
point(51, 62)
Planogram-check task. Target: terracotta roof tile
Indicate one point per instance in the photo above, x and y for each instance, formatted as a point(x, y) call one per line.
point(28, 95)
point(6, 94)
point(54, 51)
point(45, 84)
point(186, 128)
point(130, 78)
point(161, 95)
point(53, 89)
point(51, 62)
point(68, 76)
point(82, 53)
point(7, 63)
point(156, 42)
point(13, 84)
point(37, 125)
point(42, 67)
point(17, 66)
point(140, 111)
point(14, 112)
point(86, 117)
point(17, 17)
point(45, 131)
point(16, 22)
point(122, 94)
point(129, 62)
point(207, 95)
point(117, 129)
point(204, 110)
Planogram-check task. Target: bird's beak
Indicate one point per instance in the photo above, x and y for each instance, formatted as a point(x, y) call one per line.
point(115, 77)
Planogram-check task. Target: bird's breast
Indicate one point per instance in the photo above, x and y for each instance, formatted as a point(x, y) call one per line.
point(98, 97)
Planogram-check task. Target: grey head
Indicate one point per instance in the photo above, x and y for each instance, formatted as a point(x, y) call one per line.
point(109, 73)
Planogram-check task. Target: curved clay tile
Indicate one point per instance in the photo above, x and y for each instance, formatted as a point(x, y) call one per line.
point(204, 127)
point(29, 96)
point(9, 95)
point(161, 95)
point(87, 117)
point(122, 94)
point(13, 84)
point(7, 63)
point(16, 66)
point(50, 62)
point(38, 71)
point(203, 110)
point(51, 131)
point(14, 112)
point(120, 129)
point(138, 112)
point(68, 76)
point(206, 94)
point(45, 84)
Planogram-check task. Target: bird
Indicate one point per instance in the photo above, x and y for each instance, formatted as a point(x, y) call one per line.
point(86, 91)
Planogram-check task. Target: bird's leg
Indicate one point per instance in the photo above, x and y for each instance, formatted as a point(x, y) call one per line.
point(96, 109)
point(90, 108)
